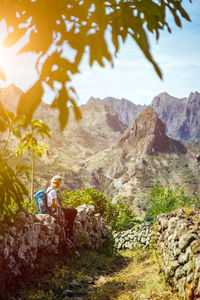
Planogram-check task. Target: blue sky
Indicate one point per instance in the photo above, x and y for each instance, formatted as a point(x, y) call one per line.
point(133, 78)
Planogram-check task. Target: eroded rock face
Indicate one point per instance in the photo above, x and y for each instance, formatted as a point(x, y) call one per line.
point(148, 131)
point(35, 235)
point(126, 110)
point(179, 243)
point(181, 116)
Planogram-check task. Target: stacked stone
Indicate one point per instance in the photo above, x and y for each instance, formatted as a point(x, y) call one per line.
point(90, 228)
point(134, 238)
point(179, 242)
point(34, 235)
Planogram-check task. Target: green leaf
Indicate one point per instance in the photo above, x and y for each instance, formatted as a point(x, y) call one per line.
point(77, 111)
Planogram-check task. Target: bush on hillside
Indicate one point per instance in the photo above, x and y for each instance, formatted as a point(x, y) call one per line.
point(164, 199)
point(119, 216)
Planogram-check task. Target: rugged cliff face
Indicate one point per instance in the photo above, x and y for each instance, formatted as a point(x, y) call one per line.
point(97, 130)
point(9, 97)
point(147, 132)
point(181, 116)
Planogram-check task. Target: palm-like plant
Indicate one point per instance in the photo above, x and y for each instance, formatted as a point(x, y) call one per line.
point(37, 128)
point(12, 190)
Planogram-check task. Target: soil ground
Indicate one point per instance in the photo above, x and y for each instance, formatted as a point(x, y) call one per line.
point(133, 275)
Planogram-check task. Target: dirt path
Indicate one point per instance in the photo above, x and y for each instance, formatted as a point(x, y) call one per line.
point(140, 279)
point(129, 274)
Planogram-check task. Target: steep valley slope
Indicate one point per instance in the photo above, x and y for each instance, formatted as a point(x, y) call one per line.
point(102, 152)
point(142, 155)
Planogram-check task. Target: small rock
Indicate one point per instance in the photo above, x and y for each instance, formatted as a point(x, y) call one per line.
point(68, 293)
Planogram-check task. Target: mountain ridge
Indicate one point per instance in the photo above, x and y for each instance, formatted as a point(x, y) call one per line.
point(180, 115)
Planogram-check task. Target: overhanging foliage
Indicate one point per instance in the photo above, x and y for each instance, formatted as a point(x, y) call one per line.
point(83, 25)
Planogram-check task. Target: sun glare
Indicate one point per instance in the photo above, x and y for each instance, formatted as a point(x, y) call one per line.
point(3, 54)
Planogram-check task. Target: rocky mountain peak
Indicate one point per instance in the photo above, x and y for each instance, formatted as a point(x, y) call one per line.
point(194, 96)
point(164, 100)
point(126, 110)
point(93, 100)
point(147, 133)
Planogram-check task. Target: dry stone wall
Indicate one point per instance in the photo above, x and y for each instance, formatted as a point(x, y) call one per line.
point(34, 235)
point(137, 237)
point(177, 239)
point(177, 235)
point(179, 243)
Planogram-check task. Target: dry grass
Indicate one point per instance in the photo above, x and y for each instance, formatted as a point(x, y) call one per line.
point(140, 279)
point(129, 275)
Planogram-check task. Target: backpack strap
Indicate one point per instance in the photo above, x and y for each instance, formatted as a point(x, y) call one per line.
point(51, 189)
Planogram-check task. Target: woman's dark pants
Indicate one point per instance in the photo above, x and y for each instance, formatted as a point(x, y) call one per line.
point(70, 215)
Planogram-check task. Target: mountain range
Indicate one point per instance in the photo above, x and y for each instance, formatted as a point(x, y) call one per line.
point(181, 116)
point(123, 158)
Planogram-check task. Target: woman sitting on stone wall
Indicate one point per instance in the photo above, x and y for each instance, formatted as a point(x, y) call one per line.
point(53, 204)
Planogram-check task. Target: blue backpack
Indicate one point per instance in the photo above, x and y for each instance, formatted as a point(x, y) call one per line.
point(41, 202)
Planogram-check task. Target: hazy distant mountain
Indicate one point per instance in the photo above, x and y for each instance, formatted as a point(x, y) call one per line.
point(181, 116)
point(97, 130)
point(126, 110)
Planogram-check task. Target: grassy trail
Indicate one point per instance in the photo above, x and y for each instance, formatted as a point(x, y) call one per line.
point(130, 275)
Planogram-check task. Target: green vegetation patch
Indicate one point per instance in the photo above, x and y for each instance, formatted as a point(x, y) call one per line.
point(165, 199)
point(120, 216)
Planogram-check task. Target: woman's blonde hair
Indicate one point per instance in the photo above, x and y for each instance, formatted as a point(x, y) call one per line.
point(56, 178)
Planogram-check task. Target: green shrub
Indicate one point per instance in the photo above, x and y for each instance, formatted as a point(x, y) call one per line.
point(165, 199)
point(12, 191)
point(119, 216)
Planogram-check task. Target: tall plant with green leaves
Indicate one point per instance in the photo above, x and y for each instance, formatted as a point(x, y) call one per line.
point(12, 189)
point(165, 199)
point(14, 125)
point(36, 129)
